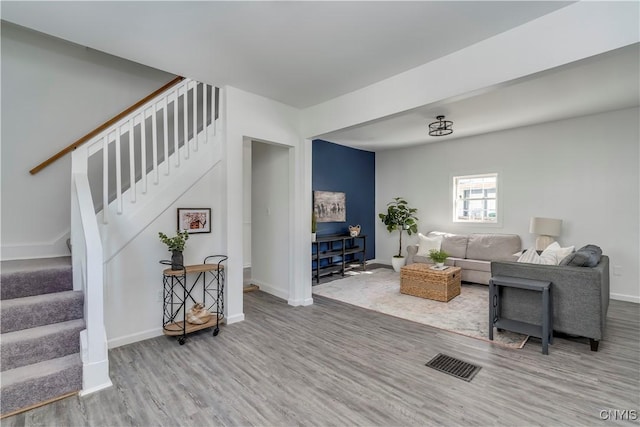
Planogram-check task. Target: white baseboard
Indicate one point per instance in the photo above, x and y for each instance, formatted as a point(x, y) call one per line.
point(130, 339)
point(300, 302)
point(52, 249)
point(234, 318)
point(628, 298)
point(270, 289)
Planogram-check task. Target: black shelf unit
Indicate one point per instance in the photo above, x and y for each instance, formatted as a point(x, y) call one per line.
point(337, 253)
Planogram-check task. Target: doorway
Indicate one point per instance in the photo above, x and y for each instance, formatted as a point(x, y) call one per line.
point(266, 222)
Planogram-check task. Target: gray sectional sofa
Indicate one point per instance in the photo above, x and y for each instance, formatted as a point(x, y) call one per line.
point(472, 252)
point(580, 296)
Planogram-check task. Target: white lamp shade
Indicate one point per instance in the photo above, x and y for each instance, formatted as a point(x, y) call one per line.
point(545, 226)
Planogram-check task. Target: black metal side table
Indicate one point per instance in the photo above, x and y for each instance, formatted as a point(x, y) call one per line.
point(178, 290)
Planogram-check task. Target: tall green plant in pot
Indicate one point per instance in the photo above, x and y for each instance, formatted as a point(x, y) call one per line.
point(401, 217)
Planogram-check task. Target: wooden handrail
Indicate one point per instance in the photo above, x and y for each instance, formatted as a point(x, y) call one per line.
point(104, 126)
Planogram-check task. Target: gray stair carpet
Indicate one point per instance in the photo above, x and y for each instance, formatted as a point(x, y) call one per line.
point(24, 278)
point(38, 310)
point(29, 385)
point(41, 320)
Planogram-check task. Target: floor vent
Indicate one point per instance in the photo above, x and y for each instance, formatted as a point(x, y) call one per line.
point(455, 367)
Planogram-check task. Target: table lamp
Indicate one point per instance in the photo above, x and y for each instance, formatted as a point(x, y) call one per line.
point(546, 229)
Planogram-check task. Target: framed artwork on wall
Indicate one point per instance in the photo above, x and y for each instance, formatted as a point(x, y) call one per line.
point(330, 206)
point(194, 220)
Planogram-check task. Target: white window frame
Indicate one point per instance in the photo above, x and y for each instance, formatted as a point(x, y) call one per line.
point(497, 220)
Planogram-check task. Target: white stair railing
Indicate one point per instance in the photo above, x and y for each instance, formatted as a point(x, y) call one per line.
point(188, 109)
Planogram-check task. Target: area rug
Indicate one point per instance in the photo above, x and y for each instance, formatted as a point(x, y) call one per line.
point(379, 290)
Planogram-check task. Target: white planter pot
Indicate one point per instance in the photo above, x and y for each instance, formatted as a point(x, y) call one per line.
point(440, 264)
point(397, 262)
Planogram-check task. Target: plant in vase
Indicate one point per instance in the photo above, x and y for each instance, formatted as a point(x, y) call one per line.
point(438, 257)
point(175, 245)
point(401, 217)
point(314, 226)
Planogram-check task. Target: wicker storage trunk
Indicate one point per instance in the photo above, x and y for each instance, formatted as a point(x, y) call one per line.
point(421, 281)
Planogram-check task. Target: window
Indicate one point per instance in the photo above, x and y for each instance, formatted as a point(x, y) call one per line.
point(476, 198)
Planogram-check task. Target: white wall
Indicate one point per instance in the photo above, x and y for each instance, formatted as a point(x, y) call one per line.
point(270, 218)
point(252, 117)
point(583, 171)
point(133, 282)
point(53, 92)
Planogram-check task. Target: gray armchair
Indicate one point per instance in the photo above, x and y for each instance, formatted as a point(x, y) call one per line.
point(580, 296)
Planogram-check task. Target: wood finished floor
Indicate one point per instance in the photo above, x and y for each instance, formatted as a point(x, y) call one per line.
point(332, 364)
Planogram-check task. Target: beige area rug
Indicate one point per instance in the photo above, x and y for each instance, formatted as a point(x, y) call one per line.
point(379, 290)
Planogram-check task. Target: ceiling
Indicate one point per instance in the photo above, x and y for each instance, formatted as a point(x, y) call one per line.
point(303, 53)
point(606, 82)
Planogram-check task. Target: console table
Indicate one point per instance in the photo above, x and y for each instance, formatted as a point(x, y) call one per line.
point(544, 330)
point(330, 254)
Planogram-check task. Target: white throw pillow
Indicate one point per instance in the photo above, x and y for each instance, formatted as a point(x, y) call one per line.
point(425, 244)
point(562, 253)
point(548, 256)
point(552, 255)
point(530, 256)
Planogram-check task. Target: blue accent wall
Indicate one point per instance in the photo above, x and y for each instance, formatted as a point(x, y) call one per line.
point(353, 172)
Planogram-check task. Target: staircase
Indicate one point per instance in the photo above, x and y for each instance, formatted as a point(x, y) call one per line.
point(42, 317)
point(53, 338)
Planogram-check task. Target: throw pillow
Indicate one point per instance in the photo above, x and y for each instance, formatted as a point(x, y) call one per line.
point(548, 256)
point(425, 244)
point(530, 256)
point(553, 254)
point(586, 256)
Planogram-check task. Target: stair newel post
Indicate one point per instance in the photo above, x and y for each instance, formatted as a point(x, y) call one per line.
point(88, 275)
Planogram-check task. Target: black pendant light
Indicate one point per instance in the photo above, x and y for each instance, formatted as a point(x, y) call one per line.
point(441, 127)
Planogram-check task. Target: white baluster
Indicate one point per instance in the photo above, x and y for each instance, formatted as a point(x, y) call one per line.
point(165, 132)
point(105, 178)
point(118, 172)
point(176, 144)
point(195, 116)
point(143, 151)
point(154, 142)
point(205, 110)
point(185, 120)
point(132, 163)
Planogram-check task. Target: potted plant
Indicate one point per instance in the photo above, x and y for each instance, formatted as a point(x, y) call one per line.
point(175, 244)
point(401, 217)
point(438, 257)
point(314, 226)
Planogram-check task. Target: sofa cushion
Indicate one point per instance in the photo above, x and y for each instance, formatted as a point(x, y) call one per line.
point(493, 247)
point(427, 243)
point(473, 264)
point(453, 244)
point(586, 256)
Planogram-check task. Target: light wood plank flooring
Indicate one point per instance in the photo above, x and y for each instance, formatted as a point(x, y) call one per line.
point(339, 365)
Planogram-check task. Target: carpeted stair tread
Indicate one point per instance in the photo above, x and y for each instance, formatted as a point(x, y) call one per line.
point(34, 345)
point(28, 385)
point(23, 278)
point(39, 310)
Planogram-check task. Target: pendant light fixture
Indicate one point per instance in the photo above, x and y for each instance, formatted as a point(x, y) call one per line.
point(441, 127)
